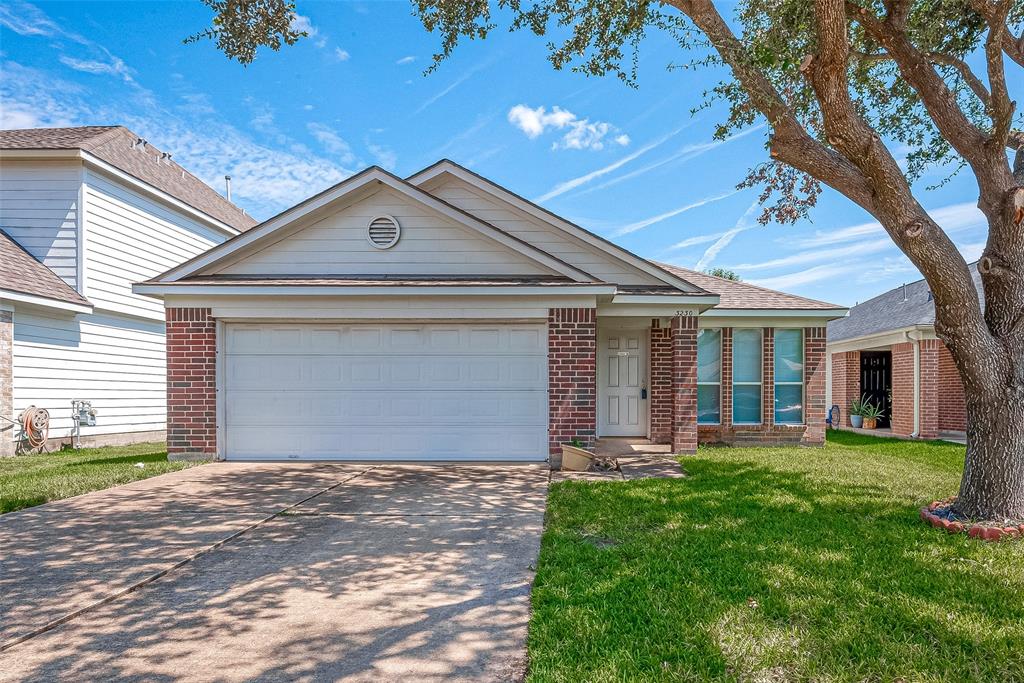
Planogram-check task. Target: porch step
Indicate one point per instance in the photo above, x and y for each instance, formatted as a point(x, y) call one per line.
point(624, 447)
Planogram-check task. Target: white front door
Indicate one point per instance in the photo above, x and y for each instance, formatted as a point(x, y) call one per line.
point(622, 383)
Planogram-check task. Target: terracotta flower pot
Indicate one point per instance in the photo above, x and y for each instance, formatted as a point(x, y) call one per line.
point(870, 423)
point(576, 459)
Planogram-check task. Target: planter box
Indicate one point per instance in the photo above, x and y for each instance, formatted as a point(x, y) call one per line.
point(576, 459)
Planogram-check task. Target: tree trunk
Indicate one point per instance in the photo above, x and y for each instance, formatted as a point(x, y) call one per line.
point(992, 487)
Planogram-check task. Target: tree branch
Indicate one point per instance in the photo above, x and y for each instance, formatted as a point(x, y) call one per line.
point(972, 81)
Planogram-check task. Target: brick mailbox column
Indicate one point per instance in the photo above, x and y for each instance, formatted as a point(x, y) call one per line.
point(684, 384)
point(572, 378)
point(191, 383)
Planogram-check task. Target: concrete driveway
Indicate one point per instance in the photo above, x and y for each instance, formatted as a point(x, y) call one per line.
point(323, 572)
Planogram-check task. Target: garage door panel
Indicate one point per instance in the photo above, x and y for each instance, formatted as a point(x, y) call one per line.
point(473, 443)
point(358, 408)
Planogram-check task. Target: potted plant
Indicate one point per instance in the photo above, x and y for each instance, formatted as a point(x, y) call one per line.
point(871, 413)
point(857, 412)
point(575, 457)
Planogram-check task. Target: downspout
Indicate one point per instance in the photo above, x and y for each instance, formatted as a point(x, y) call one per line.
point(914, 337)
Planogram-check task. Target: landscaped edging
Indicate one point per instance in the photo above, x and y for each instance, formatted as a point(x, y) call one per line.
point(939, 514)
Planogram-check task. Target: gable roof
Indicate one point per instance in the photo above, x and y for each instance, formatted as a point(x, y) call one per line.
point(117, 146)
point(374, 174)
point(893, 310)
point(554, 220)
point(21, 273)
point(744, 296)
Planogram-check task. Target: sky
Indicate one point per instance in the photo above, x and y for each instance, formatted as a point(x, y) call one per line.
point(630, 164)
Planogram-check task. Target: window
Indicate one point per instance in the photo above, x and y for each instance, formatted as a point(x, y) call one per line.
point(709, 377)
point(746, 376)
point(789, 376)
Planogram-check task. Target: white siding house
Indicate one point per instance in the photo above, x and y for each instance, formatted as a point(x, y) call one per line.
point(86, 204)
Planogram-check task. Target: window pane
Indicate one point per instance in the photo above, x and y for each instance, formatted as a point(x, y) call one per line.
point(709, 355)
point(746, 404)
point(709, 406)
point(789, 355)
point(788, 404)
point(746, 356)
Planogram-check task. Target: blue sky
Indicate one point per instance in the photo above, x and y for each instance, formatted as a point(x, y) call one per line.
point(631, 165)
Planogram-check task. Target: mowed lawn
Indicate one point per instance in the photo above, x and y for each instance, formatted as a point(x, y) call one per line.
point(28, 480)
point(775, 564)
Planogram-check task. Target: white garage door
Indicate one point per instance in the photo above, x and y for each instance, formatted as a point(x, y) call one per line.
point(385, 392)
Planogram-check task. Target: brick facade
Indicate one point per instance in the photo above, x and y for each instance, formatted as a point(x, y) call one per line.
point(845, 383)
point(191, 382)
point(933, 396)
point(684, 384)
point(661, 383)
point(572, 378)
point(8, 432)
point(815, 363)
point(952, 405)
point(902, 422)
point(930, 350)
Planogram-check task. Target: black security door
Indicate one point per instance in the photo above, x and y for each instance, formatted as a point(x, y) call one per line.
point(876, 381)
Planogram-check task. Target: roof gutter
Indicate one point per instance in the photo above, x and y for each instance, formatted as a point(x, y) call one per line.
point(20, 297)
point(914, 337)
point(162, 289)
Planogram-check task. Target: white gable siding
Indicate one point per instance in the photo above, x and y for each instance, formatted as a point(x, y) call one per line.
point(539, 234)
point(130, 238)
point(116, 363)
point(429, 245)
point(39, 210)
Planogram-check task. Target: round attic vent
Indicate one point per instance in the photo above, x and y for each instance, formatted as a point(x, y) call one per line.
point(383, 232)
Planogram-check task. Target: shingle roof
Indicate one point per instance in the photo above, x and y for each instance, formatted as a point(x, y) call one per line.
point(116, 146)
point(21, 272)
point(745, 296)
point(892, 311)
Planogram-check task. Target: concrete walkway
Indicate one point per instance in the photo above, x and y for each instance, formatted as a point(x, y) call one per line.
point(329, 572)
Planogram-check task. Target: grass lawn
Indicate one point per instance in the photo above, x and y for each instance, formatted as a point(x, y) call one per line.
point(28, 480)
point(775, 564)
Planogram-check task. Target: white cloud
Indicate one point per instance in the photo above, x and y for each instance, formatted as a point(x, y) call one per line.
point(694, 241)
point(384, 156)
point(951, 218)
point(302, 23)
point(452, 86)
point(409, 59)
point(341, 55)
point(307, 107)
point(332, 142)
point(567, 185)
point(581, 133)
point(639, 225)
point(28, 20)
point(817, 255)
point(744, 223)
point(803, 277)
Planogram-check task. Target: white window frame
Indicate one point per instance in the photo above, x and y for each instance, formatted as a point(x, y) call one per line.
point(759, 383)
point(721, 346)
point(775, 382)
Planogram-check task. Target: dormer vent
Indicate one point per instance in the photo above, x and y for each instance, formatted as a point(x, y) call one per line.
point(383, 232)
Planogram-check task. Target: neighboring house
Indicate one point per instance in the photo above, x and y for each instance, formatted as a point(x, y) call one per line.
point(84, 213)
point(442, 317)
point(886, 349)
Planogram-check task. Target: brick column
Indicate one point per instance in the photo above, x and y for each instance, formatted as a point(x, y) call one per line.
point(903, 389)
point(661, 383)
point(814, 386)
point(930, 354)
point(952, 406)
point(8, 432)
point(767, 377)
point(191, 382)
point(572, 378)
point(684, 384)
point(727, 377)
point(845, 383)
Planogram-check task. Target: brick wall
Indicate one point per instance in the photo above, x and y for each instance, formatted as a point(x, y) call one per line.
point(191, 381)
point(684, 384)
point(845, 382)
point(952, 408)
point(661, 383)
point(930, 350)
point(7, 429)
point(767, 377)
point(903, 389)
point(572, 378)
point(814, 385)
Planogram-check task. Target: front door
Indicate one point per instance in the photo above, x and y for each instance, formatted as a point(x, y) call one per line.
point(876, 381)
point(622, 383)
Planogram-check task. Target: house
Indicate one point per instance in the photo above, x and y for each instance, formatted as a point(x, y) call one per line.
point(84, 212)
point(442, 317)
point(887, 350)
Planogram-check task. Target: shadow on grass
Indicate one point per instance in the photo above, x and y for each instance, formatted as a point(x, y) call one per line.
point(751, 570)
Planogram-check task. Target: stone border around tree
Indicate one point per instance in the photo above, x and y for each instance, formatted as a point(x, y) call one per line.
point(940, 515)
